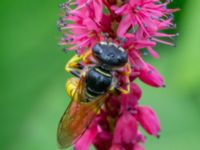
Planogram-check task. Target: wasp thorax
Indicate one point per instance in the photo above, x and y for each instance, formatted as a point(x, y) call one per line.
point(110, 54)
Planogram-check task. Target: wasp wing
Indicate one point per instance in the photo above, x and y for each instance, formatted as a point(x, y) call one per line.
point(77, 116)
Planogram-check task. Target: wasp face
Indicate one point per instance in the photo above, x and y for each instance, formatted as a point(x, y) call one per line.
point(110, 54)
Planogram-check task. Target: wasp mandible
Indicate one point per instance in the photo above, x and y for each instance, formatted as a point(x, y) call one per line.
point(90, 87)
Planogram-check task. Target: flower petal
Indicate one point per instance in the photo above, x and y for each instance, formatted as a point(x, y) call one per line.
point(106, 23)
point(90, 24)
point(129, 101)
point(117, 147)
point(148, 120)
point(98, 6)
point(103, 140)
point(153, 52)
point(151, 77)
point(124, 24)
point(126, 129)
point(138, 147)
point(121, 9)
point(86, 139)
point(133, 3)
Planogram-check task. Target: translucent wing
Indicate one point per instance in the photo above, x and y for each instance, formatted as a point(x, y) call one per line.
point(77, 116)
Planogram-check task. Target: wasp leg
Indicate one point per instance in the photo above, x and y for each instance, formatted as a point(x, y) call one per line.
point(86, 57)
point(71, 86)
point(128, 70)
point(124, 90)
point(117, 89)
point(73, 66)
point(126, 74)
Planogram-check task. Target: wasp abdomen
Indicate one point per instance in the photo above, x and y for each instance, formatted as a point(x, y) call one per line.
point(98, 81)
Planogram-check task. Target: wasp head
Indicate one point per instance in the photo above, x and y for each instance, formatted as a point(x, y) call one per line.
point(110, 55)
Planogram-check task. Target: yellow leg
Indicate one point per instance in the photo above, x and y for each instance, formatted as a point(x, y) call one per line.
point(73, 63)
point(86, 56)
point(125, 90)
point(126, 74)
point(115, 88)
point(73, 66)
point(128, 70)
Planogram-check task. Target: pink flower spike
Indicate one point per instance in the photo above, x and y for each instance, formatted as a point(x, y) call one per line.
point(126, 129)
point(134, 27)
point(151, 77)
point(148, 120)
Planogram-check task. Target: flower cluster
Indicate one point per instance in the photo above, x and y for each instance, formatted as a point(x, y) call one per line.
point(139, 24)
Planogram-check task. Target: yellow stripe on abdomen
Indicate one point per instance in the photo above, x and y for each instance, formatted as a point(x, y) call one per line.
point(71, 86)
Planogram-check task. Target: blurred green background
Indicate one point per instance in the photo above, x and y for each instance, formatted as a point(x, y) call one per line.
point(32, 76)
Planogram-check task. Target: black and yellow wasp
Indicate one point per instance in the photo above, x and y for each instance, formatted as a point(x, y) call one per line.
point(90, 88)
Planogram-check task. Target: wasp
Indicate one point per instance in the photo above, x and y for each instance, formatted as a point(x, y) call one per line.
point(90, 87)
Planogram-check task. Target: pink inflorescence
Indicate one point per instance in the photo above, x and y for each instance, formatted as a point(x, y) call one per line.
point(139, 24)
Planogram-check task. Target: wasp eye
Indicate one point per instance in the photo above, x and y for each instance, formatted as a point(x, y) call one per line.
point(97, 50)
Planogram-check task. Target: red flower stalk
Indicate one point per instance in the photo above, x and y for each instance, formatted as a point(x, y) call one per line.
point(138, 24)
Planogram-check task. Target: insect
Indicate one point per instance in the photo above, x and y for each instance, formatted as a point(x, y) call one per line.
point(90, 87)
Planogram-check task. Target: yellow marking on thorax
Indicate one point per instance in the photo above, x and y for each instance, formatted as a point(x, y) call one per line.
point(104, 73)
